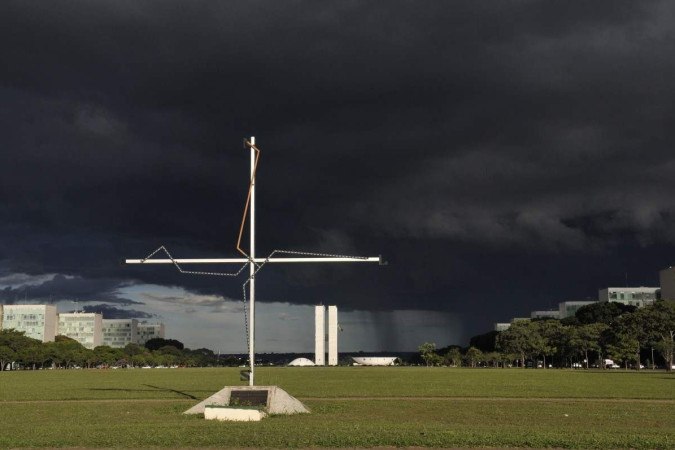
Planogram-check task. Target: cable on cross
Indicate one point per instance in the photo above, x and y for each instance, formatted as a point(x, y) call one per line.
point(249, 258)
point(241, 269)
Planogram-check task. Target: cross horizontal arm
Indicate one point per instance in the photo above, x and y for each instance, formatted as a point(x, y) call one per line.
point(336, 259)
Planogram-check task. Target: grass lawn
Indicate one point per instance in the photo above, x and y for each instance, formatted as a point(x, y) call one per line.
point(351, 406)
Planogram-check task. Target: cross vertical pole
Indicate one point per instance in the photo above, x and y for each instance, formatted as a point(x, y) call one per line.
point(251, 266)
point(300, 257)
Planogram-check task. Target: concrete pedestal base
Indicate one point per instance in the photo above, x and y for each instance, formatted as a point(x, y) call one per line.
point(278, 400)
point(233, 414)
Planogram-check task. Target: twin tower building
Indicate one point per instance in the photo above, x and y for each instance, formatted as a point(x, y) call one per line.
point(320, 335)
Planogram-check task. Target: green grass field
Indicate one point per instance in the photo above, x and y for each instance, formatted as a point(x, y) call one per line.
point(351, 406)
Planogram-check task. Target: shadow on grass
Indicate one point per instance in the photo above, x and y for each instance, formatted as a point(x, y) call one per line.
point(154, 389)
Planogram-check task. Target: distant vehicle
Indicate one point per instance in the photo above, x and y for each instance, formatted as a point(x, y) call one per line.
point(576, 365)
point(609, 364)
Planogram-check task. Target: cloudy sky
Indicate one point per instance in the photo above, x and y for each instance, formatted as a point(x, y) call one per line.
point(503, 156)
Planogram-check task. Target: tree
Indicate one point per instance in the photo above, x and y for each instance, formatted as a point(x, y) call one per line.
point(553, 337)
point(90, 358)
point(69, 350)
point(602, 312)
point(586, 338)
point(628, 329)
point(199, 357)
point(622, 348)
point(138, 360)
point(428, 353)
point(7, 356)
point(107, 355)
point(521, 338)
point(485, 342)
point(566, 351)
point(453, 357)
point(135, 353)
point(659, 325)
point(157, 343)
point(168, 355)
point(507, 358)
point(493, 358)
point(52, 353)
point(132, 349)
point(473, 356)
point(45, 354)
point(570, 321)
point(17, 340)
point(169, 350)
point(31, 355)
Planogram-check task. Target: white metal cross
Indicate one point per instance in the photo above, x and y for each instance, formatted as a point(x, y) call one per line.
point(254, 263)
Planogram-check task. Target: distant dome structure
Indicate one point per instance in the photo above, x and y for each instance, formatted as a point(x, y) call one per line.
point(301, 362)
point(374, 360)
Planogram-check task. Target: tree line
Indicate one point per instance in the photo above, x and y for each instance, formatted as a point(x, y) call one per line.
point(17, 351)
point(600, 331)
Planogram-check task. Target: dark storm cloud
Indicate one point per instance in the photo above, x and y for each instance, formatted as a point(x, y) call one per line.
point(500, 154)
point(214, 303)
point(62, 287)
point(113, 312)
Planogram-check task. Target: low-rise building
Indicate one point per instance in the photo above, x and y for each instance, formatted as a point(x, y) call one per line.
point(569, 308)
point(85, 328)
point(633, 296)
point(90, 329)
point(502, 326)
point(117, 333)
point(147, 331)
point(36, 321)
point(545, 314)
point(667, 282)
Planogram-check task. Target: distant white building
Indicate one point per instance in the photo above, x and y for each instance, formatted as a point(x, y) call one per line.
point(633, 296)
point(320, 335)
point(117, 333)
point(36, 321)
point(85, 328)
point(502, 326)
point(667, 282)
point(570, 308)
point(332, 336)
point(90, 329)
point(301, 362)
point(545, 314)
point(147, 331)
point(374, 360)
